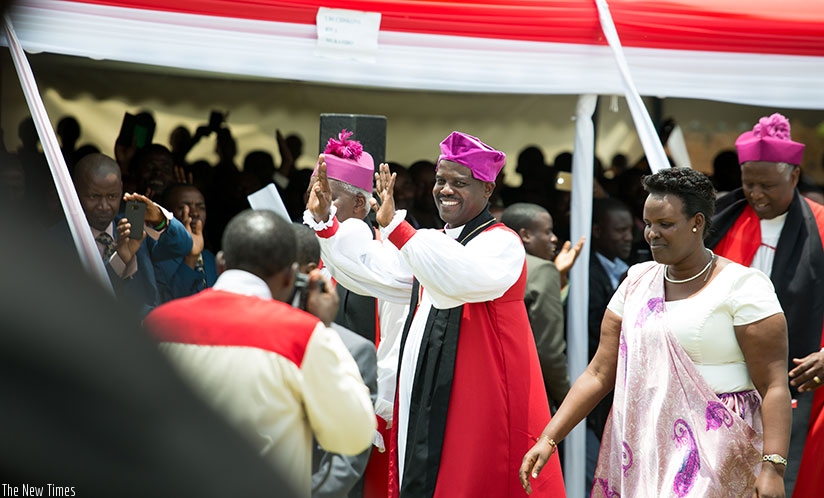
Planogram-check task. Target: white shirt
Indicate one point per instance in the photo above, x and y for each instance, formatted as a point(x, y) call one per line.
point(770, 233)
point(704, 323)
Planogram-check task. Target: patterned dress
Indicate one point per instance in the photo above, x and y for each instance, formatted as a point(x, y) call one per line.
point(670, 433)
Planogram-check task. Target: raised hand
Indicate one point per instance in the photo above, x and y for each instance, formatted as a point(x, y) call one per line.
point(287, 162)
point(126, 246)
point(182, 177)
point(385, 188)
point(567, 256)
point(196, 231)
point(320, 195)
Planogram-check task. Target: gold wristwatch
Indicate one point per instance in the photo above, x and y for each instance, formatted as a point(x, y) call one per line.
point(776, 459)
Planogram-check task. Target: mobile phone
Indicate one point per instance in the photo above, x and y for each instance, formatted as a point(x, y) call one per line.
point(141, 136)
point(136, 214)
point(216, 119)
point(139, 128)
point(144, 129)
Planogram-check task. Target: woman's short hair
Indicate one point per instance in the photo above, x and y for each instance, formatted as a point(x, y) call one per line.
point(694, 188)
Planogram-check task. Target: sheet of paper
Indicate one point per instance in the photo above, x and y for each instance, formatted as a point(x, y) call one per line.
point(349, 34)
point(269, 198)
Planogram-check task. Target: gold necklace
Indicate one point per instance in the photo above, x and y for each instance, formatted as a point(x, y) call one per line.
point(690, 279)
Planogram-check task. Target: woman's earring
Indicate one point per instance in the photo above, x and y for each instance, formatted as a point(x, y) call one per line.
point(694, 229)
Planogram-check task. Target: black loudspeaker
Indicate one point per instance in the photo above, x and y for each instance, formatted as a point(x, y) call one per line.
point(370, 131)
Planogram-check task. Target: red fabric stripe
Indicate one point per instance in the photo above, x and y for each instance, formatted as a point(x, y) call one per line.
point(818, 214)
point(377, 326)
point(742, 239)
point(376, 475)
point(328, 232)
point(401, 235)
point(754, 26)
point(687, 27)
point(811, 469)
point(219, 318)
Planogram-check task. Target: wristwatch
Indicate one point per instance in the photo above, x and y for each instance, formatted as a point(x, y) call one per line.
point(776, 459)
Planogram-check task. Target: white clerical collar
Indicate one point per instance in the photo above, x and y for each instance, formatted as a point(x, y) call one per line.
point(242, 282)
point(454, 232)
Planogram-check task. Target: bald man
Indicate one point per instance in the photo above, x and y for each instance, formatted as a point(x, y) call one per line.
point(129, 261)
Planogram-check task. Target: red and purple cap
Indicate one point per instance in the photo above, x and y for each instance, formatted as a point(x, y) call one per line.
point(346, 161)
point(466, 150)
point(769, 141)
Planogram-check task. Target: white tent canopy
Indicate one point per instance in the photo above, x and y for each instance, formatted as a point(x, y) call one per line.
point(775, 58)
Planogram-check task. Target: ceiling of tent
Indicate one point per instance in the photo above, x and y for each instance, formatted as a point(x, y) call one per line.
point(743, 51)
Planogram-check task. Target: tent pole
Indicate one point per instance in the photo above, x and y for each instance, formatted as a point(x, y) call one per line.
point(578, 300)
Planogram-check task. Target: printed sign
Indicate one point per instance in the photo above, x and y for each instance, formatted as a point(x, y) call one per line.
point(350, 34)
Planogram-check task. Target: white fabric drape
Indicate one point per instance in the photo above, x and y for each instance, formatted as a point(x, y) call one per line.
point(79, 227)
point(656, 156)
point(412, 60)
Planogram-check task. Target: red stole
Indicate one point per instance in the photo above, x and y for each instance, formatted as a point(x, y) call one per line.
point(497, 406)
point(809, 473)
point(742, 239)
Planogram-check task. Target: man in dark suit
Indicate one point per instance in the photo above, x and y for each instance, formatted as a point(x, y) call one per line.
point(129, 261)
point(89, 404)
point(611, 246)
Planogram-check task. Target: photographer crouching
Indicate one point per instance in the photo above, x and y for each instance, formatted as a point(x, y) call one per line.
point(279, 374)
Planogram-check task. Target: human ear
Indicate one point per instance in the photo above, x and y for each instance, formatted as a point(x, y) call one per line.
point(489, 187)
point(220, 262)
point(282, 283)
point(698, 223)
point(795, 175)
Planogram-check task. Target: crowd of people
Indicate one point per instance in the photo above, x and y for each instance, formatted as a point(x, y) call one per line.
point(403, 333)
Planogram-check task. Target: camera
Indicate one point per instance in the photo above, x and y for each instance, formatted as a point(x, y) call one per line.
point(301, 291)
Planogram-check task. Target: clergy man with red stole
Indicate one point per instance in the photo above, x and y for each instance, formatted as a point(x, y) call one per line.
point(767, 225)
point(470, 399)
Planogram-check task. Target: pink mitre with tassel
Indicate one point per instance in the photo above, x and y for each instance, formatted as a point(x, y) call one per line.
point(769, 141)
point(346, 161)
